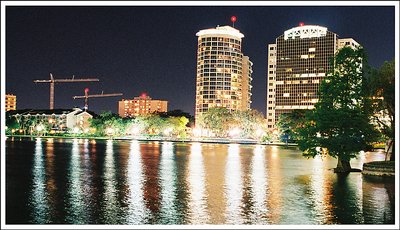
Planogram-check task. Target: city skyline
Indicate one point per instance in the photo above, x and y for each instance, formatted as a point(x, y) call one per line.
point(152, 49)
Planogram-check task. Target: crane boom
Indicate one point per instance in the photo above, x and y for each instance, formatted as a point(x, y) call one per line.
point(52, 81)
point(99, 95)
point(87, 96)
point(66, 80)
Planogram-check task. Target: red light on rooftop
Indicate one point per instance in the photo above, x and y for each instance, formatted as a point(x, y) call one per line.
point(301, 24)
point(233, 19)
point(144, 95)
point(86, 90)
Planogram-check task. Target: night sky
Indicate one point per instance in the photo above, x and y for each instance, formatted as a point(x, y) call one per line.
point(136, 49)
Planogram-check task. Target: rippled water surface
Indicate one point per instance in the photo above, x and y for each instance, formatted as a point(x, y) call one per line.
point(130, 182)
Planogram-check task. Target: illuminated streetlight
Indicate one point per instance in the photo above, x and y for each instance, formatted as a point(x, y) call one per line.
point(196, 132)
point(260, 133)
point(167, 131)
point(109, 131)
point(235, 132)
point(39, 128)
point(75, 130)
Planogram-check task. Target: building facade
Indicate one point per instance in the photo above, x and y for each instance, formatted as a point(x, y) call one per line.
point(11, 102)
point(140, 106)
point(223, 76)
point(297, 63)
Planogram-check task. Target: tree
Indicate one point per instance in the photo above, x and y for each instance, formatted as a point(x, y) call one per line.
point(215, 120)
point(108, 122)
point(242, 124)
point(382, 89)
point(289, 123)
point(340, 124)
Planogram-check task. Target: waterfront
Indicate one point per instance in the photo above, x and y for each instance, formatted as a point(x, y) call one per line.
point(84, 181)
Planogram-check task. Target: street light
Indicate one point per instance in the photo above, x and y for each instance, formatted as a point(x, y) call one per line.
point(109, 131)
point(235, 132)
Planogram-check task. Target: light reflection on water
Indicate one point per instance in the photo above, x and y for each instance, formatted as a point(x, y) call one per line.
point(131, 182)
point(195, 179)
point(38, 199)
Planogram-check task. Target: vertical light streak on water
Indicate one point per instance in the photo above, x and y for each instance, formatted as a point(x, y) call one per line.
point(137, 209)
point(319, 202)
point(51, 182)
point(275, 189)
point(233, 186)
point(76, 210)
point(168, 178)
point(196, 181)
point(358, 197)
point(110, 192)
point(259, 185)
point(39, 194)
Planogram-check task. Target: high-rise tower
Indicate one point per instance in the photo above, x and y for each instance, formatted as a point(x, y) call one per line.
point(297, 63)
point(223, 72)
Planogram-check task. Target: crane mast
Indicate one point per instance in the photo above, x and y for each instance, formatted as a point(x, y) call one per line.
point(52, 82)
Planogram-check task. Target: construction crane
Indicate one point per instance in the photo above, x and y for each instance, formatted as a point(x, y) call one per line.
point(87, 96)
point(52, 81)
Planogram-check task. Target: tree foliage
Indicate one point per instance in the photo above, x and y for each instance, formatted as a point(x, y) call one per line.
point(382, 90)
point(340, 123)
point(221, 122)
point(108, 120)
point(289, 123)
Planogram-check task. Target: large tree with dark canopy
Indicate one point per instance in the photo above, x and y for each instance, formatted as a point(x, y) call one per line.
point(340, 125)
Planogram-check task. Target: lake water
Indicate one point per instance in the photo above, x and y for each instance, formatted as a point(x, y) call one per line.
point(83, 181)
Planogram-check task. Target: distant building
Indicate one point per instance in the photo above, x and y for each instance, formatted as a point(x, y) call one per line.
point(223, 73)
point(297, 63)
point(11, 102)
point(140, 106)
point(53, 121)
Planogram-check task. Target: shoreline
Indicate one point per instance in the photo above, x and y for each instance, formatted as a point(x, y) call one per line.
point(182, 140)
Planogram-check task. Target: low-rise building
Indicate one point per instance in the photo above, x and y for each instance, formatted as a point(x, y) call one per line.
point(140, 106)
point(11, 102)
point(52, 121)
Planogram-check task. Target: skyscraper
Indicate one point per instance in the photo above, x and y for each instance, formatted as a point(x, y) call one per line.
point(297, 63)
point(223, 72)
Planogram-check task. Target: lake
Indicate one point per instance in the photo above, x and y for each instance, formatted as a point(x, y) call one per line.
point(129, 182)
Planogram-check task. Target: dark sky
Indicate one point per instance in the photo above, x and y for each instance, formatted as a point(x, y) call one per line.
point(134, 49)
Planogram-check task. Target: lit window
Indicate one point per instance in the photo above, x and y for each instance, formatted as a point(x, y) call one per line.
point(311, 49)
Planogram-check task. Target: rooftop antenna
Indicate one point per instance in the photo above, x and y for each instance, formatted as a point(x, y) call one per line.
point(233, 20)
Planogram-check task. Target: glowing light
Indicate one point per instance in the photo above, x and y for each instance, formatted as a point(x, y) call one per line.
point(167, 131)
point(76, 130)
point(301, 24)
point(135, 130)
point(260, 132)
point(233, 19)
point(86, 90)
point(39, 128)
point(109, 131)
point(235, 132)
point(197, 132)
